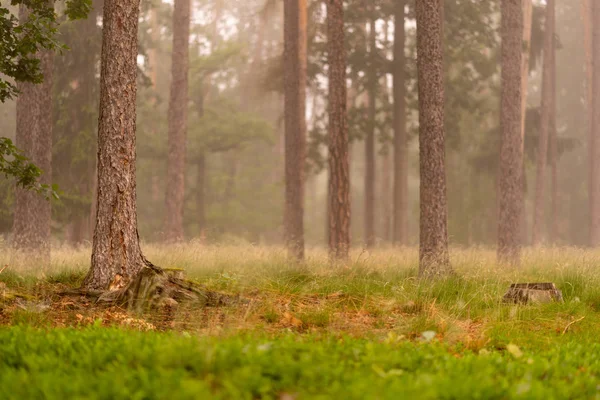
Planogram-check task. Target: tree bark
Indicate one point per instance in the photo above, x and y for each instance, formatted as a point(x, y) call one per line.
point(511, 154)
point(295, 43)
point(434, 259)
point(553, 149)
point(542, 155)
point(527, 21)
point(400, 137)
point(32, 214)
point(595, 145)
point(178, 105)
point(370, 175)
point(339, 167)
point(586, 15)
point(116, 253)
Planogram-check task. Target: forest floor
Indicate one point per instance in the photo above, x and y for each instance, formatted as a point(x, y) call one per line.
point(369, 329)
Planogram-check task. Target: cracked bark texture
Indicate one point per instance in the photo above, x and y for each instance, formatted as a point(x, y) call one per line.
point(511, 153)
point(178, 113)
point(116, 253)
point(545, 125)
point(339, 168)
point(433, 251)
point(400, 138)
point(32, 213)
point(595, 136)
point(295, 42)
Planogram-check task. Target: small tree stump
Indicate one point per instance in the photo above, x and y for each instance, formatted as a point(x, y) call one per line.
point(532, 293)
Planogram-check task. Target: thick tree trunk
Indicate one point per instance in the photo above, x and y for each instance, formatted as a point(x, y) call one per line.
point(433, 252)
point(32, 214)
point(370, 141)
point(400, 137)
point(295, 43)
point(542, 155)
point(339, 168)
point(116, 253)
point(178, 105)
point(511, 154)
point(595, 145)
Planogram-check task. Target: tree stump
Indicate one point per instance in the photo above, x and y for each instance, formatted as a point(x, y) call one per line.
point(532, 293)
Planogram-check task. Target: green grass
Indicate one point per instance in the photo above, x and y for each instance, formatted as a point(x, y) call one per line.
point(360, 330)
point(100, 363)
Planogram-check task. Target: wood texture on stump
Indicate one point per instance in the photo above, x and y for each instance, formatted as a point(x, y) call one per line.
point(116, 254)
point(433, 251)
point(32, 214)
point(177, 116)
point(400, 137)
point(511, 154)
point(545, 125)
point(295, 43)
point(339, 168)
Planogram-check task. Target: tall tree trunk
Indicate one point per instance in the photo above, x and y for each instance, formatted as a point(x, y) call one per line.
point(511, 154)
point(553, 150)
point(527, 22)
point(586, 15)
point(32, 215)
point(370, 140)
point(386, 160)
point(433, 252)
point(400, 137)
point(200, 193)
point(339, 168)
point(178, 105)
point(116, 253)
point(595, 145)
point(295, 43)
point(542, 155)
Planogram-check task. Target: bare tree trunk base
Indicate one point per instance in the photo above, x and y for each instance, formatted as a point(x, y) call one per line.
point(532, 293)
point(154, 289)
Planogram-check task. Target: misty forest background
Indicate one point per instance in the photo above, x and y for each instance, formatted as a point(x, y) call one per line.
point(234, 177)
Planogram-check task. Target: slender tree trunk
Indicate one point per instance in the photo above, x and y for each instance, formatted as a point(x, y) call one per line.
point(200, 193)
point(511, 154)
point(586, 15)
point(542, 155)
point(178, 105)
point(370, 141)
point(595, 145)
point(433, 252)
point(553, 149)
point(116, 253)
point(32, 214)
point(339, 168)
point(527, 21)
point(400, 137)
point(295, 43)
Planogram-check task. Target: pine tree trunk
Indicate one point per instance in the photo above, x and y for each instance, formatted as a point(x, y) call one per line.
point(400, 137)
point(511, 154)
point(553, 150)
point(527, 21)
point(32, 214)
point(178, 106)
point(339, 168)
point(295, 43)
point(433, 252)
point(542, 155)
point(116, 253)
point(370, 142)
point(200, 193)
point(595, 145)
point(586, 16)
